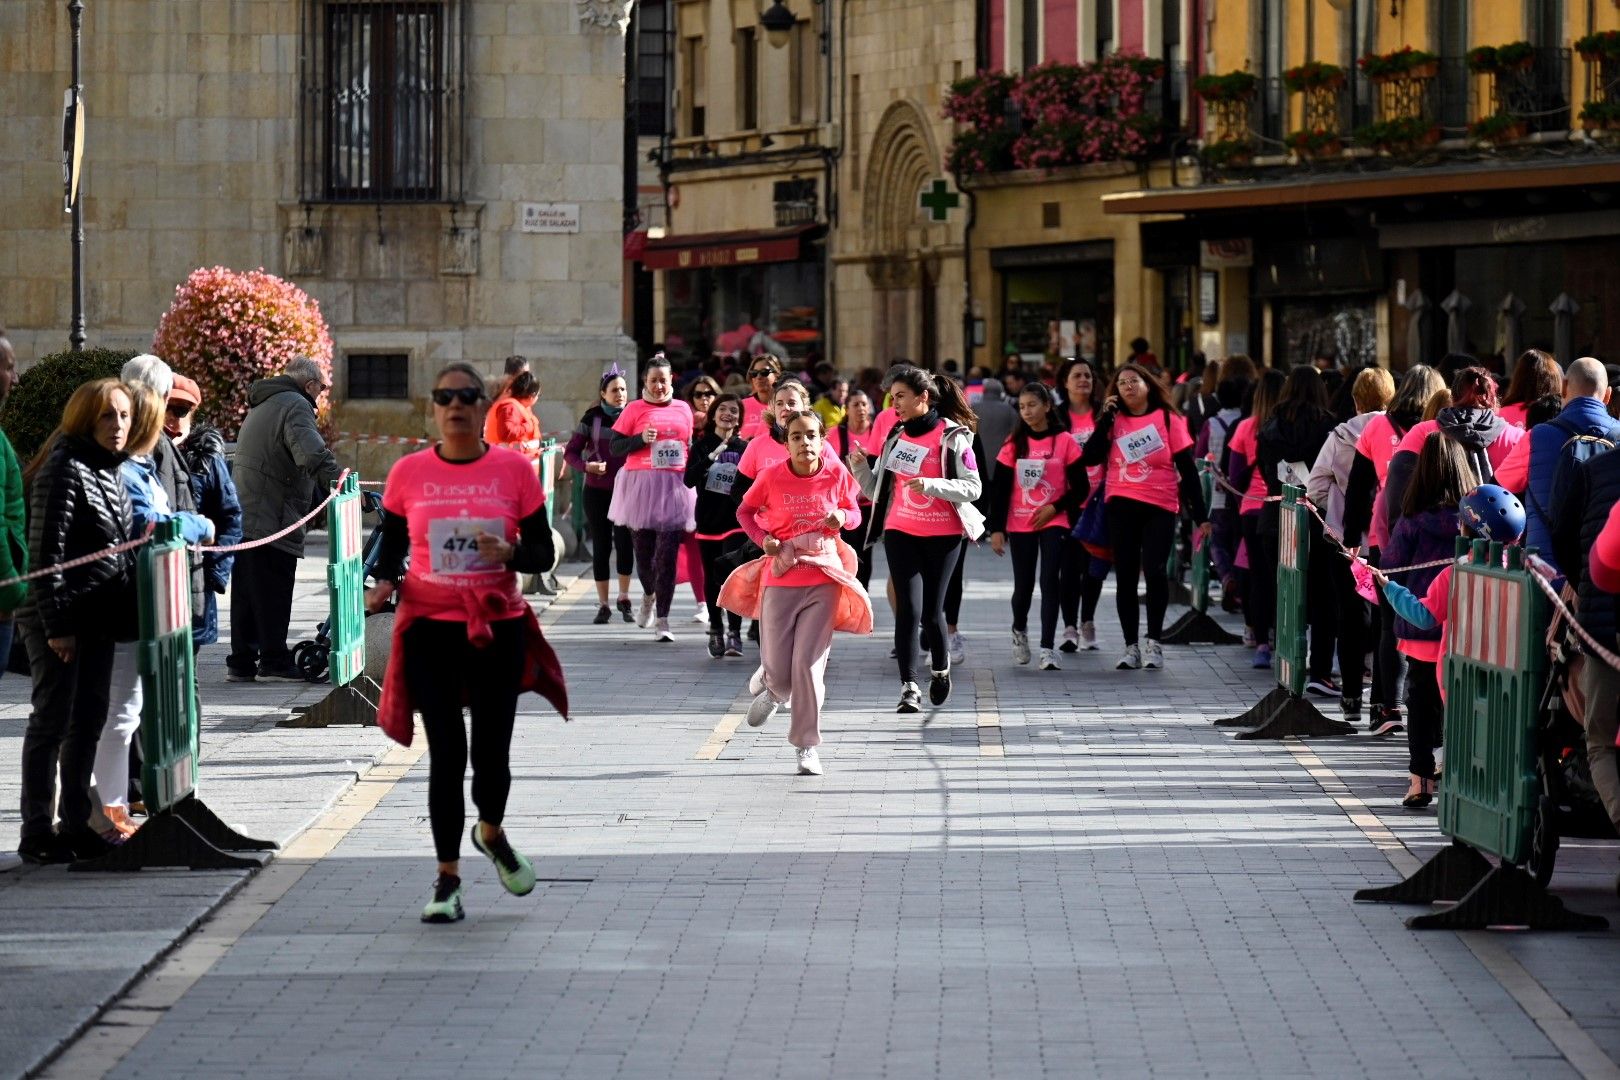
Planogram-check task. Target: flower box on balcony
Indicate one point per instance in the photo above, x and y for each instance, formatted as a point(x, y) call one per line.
point(1315, 145)
point(1313, 75)
point(1490, 59)
point(1402, 135)
point(1600, 46)
point(1499, 128)
point(1233, 86)
point(1601, 116)
point(1404, 63)
point(1228, 152)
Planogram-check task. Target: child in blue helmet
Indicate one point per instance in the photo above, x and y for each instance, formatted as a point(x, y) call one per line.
point(1490, 513)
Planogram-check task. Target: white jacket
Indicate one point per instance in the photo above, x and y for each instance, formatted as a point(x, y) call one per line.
point(1330, 475)
point(957, 444)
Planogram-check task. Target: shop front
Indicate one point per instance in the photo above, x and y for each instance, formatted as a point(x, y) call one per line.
point(722, 290)
point(1057, 300)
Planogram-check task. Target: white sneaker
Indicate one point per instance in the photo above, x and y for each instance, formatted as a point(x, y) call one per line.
point(1088, 637)
point(649, 612)
point(756, 681)
point(1152, 654)
point(1020, 647)
point(1049, 660)
point(763, 708)
point(663, 633)
point(701, 615)
point(809, 761)
point(958, 649)
point(1131, 660)
point(1071, 639)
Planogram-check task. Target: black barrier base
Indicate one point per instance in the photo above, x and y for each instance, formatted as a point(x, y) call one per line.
point(1198, 628)
point(1180, 593)
point(354, 703)
point(1297, 718)
point(194, 812)
point(168, 840)
point(1257, 712)
point(1447, 876)
point(1507, 898)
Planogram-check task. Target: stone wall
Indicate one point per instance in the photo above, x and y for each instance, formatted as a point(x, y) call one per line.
point(191, 161)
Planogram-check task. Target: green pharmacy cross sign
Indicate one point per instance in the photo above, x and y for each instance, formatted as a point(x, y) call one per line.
point(939, 200)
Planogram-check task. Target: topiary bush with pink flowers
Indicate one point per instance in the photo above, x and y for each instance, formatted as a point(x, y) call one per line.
point(228, 328)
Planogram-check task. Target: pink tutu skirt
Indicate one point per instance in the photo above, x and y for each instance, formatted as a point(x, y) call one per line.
point(652, 499)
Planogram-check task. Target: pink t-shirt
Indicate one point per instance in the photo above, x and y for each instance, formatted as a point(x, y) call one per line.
point(1081, 425)
point(1438, 600)
point(445, 506)
point(754, 420)
point(910, 458)
point(786, 504)
point(1040, 477)
point(1605, 558)
point(1141, 461)
point(883, 423)
point(1517, 415)
point(673, 419)
point(1377, 443)
point(871, 444)
point(1497, 451)
point(760, 454)
point(1245, 443)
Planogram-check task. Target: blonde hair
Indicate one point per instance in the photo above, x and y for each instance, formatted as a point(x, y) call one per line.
point(145, 419)
point(1440, 399)
point(79, 418)
point(791, 386)
point(1373, 389)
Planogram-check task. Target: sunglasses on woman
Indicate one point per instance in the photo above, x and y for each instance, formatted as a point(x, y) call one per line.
point(467, 395)
point(702, 394)
point(761, 373)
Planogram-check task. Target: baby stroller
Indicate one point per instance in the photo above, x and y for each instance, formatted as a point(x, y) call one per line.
point(311, 657)
point(1568, 803)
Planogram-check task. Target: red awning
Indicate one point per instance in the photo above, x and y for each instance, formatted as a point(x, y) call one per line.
point(694, 250)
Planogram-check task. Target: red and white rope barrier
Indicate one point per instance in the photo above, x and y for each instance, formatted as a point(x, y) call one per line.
point(246, 545)
point(383, 440)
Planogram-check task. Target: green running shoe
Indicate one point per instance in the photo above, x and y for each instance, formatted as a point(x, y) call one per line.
point(517, 873)
point(445, 907)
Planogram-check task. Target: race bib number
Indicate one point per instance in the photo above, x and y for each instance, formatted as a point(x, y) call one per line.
point(722, 477)
point(1031, 471)
point(907, 458)
point(454, 544)
point(669, 454)
point(1139, 444)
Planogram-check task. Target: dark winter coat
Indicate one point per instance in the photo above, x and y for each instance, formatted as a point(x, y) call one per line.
point(1585, 416)
point(283, 466)
point(591, 441)
point(174, 475)
point(1420, 538)
point(1579, 515)
point(1298, 438)
point(78, 504)
point(215, 495)
point(716, 513)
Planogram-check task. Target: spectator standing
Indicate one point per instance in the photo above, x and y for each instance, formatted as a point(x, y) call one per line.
point(830, 405)
point(1535, 375)
point(998, 419)
point(282, 467)
point(511, 423)
point(590, 453)
point(214, 493)
point(14, 544)
point(172, 472)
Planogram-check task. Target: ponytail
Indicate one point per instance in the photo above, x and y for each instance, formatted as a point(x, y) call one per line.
point(953, 404)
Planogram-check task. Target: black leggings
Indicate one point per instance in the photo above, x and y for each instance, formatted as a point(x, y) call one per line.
point(920, 567)
point(714, 576)
point(606, 537)
point(1140, 535)
point(856, 539)
point(1348, 617)
point(1425, 718)
point(1026, 548)
point(1081, 583)
point(656, 552)
point(1260, 605)
point(443, 670)
point(953, 588)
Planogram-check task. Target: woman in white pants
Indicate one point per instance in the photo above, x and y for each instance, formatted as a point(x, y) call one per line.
point(150, 505)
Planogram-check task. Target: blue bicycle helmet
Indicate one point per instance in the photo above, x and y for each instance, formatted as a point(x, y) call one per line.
point(1493, 513)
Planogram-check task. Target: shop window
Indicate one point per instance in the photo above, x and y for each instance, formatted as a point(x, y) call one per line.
point(747, 79)
point(378, 376)
point(381, 115)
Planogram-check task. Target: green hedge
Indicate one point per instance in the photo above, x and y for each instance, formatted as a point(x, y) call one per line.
point(36, 403)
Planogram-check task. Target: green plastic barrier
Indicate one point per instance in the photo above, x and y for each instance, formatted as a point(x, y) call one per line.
point(1202, 565)
point(1293, 558)
point(1495, 670)
point(169, 727)
point(550, 455)
point(346, 584)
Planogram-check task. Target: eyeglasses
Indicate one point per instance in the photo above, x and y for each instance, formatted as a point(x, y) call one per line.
point(761, 373)
point(179, 410)
point(467, 395)
point(702, 394)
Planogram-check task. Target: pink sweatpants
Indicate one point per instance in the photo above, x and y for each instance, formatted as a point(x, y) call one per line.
point(795, 639)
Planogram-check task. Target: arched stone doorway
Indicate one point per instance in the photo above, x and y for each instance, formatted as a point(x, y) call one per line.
point(900, 264)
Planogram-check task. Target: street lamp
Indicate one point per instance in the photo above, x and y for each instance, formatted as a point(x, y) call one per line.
point(778, 22)
point(75, 135)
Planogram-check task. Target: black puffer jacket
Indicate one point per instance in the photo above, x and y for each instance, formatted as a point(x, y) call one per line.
point(174, 473)
point(1578, 515)
point(78, 504)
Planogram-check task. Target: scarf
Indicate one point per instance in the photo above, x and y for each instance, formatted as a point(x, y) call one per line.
point(611, 411)
point(665, 400)
point(921, 425)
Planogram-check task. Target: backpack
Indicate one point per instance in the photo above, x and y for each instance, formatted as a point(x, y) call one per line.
point(1580, 446)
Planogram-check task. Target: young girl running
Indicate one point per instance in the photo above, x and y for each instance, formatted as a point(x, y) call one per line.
point(1033, 498)
point(650, 497)
point(1083, 572)
point(922, 496)
point(1151, 478)
point(804, 588)
point(711, 472)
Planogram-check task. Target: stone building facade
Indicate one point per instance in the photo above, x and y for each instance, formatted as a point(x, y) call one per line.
point(442, 175)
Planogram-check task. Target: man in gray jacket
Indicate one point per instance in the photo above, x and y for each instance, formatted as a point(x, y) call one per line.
point(282, 468)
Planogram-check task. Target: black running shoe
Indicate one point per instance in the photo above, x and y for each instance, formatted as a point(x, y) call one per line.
point(626, 610)
point(939, 687)
point(445, 907)
point(753, 632)
point(44, 850)
point(84, 843)
point(717, 645)
point(604, 614)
